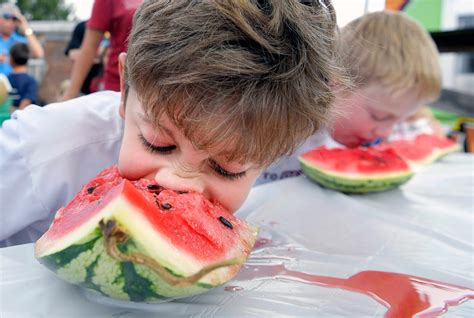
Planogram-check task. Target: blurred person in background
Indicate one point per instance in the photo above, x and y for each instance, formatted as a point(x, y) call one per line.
point(24, 86)
point(114, 16)
point(97, 83)
point(14, 28)
point(394, 67)
point(73, 52)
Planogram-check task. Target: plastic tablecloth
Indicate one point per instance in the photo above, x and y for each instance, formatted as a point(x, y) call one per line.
point(424, 228)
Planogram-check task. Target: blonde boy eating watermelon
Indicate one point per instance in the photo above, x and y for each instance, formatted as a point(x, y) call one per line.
point(394, 66)
point(211, 93)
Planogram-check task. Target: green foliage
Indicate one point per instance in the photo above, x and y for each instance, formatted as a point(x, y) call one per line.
point(43, 9)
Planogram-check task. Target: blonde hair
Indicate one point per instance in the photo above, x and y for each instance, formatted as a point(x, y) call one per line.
point(254, 75)
point(389, 48)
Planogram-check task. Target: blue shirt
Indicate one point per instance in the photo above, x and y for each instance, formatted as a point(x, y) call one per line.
point(5, 46)
point(23, 87)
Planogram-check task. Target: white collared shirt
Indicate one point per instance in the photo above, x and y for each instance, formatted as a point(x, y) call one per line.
point(289, 166)
point(47, 154)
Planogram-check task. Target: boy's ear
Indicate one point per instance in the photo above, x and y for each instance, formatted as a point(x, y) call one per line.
point(123, 95)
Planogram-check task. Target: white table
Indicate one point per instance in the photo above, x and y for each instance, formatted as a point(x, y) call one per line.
point(425, 228)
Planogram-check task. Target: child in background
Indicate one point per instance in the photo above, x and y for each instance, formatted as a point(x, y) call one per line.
point(394, 66)
point(24, 87)
point(15, 28)
point(211, 93)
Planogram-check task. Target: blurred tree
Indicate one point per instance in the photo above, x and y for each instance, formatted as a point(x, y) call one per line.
point(43, 9)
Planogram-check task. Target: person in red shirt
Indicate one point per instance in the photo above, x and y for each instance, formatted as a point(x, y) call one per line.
point(114, 16)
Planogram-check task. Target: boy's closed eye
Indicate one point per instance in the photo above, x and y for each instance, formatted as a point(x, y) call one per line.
point(381, 116)
point(155, 148)
point(152, 148)
point(224, 173)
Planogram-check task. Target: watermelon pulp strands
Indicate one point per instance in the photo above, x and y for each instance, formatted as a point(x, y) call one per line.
point(113, 237)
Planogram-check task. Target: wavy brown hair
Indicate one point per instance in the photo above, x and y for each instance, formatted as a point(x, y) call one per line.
point(252, 75)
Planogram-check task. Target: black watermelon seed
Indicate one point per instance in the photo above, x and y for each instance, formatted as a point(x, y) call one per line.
point(90, 190)
point(166, 206)
point(154, 188)
point(181, 192)
point(226, 222)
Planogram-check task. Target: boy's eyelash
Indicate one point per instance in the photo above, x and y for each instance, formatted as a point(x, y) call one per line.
point(226, 174)
point(380, 118)
point(153, 148)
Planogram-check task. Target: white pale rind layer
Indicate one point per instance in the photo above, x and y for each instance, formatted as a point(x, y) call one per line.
point(435, 155)
point(53, 246)
point(155, 244)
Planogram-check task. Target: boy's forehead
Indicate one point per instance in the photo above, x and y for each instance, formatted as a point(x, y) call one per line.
point(160, 125)
point(395, 102)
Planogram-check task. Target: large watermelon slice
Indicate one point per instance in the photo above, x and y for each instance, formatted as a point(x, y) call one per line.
point(356, 170)
point(133, 240)
point(423, 149)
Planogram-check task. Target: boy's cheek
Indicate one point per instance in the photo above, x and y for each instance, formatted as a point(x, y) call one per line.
point(233, 195)
point(231, 200)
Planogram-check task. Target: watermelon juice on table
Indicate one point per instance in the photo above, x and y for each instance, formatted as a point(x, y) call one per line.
point(134, 240)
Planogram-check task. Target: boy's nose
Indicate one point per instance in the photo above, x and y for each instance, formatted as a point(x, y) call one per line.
point(177, 180)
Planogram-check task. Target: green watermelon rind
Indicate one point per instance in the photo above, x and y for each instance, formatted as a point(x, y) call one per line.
point(354, 183)
point(155, 246)
point(88, 265)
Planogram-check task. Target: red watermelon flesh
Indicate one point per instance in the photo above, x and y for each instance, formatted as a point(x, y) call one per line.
point(357, 161)
point(424, 148)
point(182, 232)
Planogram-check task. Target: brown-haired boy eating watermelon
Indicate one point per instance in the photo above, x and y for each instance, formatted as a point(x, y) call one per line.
point(394, 66)
point(211, 93)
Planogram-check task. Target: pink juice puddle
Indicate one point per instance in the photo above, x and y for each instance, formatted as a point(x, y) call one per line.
point(233, 288)
point(261, 242)
point(404, 295)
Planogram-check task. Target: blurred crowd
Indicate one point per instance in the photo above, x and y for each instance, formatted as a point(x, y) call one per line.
point(17, 44)
point(93, 50)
